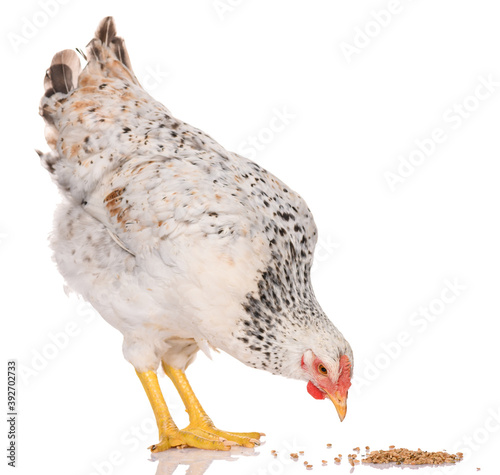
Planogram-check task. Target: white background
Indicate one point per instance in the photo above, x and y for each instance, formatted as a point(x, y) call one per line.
point(383, 254)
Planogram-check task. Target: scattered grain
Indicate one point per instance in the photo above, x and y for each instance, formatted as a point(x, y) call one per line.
point(337, 460)
point(309, 467)
point(329, 446)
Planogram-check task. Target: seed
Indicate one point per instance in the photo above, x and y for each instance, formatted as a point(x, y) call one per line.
point(301, 452)
point(356, 449)
point(324, 462)
point(329, 446)
point(306, 463)
point(309, 467)
point(337, 460)
point(351, 461)
point(367, 447)
point(392, 447)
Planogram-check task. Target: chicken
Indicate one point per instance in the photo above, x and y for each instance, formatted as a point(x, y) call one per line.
point(179, 244)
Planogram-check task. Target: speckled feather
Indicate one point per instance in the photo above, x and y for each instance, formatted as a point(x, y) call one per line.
point(178, 243)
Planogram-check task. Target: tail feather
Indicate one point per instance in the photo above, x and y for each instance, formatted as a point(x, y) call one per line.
point(106, 45)
point(62, 75)
point(118, 47)
point(106, 34)
point(106, 30)
point(106, 56)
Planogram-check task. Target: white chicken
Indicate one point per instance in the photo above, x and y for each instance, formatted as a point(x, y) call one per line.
point(180, 244)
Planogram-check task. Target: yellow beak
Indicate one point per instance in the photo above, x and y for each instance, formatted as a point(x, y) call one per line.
point(340, 404)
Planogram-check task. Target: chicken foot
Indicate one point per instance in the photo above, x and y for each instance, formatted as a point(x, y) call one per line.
point(201, 432)
point(199, 422)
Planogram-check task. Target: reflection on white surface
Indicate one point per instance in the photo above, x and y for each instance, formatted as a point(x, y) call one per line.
point(197, 460)
point(384, 466)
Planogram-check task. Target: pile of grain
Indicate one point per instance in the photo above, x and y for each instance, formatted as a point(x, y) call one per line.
point(411, 457)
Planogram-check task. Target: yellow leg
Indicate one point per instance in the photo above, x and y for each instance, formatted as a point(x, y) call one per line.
point(199, 422)
point(170, 435)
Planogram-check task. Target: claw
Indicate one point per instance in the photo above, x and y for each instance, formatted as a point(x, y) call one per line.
point(227, 442)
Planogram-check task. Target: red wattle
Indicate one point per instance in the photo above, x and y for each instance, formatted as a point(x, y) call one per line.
point(314, 391)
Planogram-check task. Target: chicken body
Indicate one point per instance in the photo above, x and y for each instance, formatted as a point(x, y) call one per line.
point(177, 243)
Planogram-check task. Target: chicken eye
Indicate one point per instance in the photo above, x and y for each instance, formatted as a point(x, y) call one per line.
point(322, 369)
